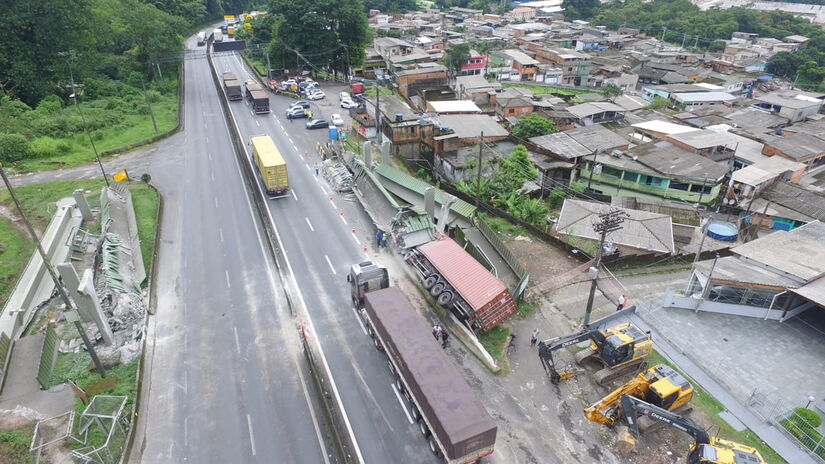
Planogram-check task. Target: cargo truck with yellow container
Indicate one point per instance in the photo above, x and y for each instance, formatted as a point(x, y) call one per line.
point(271, 166)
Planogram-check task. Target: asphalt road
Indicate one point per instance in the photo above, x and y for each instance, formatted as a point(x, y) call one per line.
point(225, 380)
point(320, 244)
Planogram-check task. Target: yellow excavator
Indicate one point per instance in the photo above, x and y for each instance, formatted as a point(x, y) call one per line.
point(660, 386)
point(620, 349)
point(705, 449)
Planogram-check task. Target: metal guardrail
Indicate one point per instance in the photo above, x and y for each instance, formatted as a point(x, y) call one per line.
point(501, 248)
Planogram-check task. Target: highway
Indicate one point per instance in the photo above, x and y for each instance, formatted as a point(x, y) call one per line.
point(225, 378)
point(320, 245)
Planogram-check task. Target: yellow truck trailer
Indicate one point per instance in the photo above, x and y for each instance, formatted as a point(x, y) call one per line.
point(271, 166)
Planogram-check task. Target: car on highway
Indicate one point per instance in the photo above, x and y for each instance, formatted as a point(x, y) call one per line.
point(296, 113)
point(347, 104)
point(337, 120)
point(317, 124)
point(299, 103)
point(344, 96)
point(317, 95)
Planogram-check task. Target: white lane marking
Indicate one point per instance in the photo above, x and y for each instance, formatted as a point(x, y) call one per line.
point(307, 166)
point(185, 431)
point(207, 139)
point(291, 276)
point(220, 232)
point(323, 189)
point(355, 237)
point(257, 123)
point(216, 202)
point(314, 419)
point(293, 195)
point(295, 147)
point(401, 402)
point(212, 175)
point(309, 224)
point(228, 285)
point(251, 434)
point(237, 340)
point(333, 204)
point(290, 140)
point(342, 219)
point(210, 156)
point(360, 322)
point(366, 255)
point(330, 264)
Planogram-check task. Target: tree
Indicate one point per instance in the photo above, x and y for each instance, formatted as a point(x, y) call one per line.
point(321, 34)
point(579, 9)
point(457, 56)
point(611, 90)
point(533, 125)
point(511, 173)
point(785, 63)
point(658, 103)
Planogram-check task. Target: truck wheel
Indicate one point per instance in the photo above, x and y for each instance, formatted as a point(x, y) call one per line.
point(445, 298)
point(424, 430)
point(433, 446)
point(414, 412)
point(437, 289)
point(430, 281)
point(399, 384)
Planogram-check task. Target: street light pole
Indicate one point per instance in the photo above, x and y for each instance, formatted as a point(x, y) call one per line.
point(608, 222)
point(83, 119)
point(58, 285)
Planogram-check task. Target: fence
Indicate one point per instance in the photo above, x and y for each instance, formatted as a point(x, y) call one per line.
point(48, 355)
point(502, 249)
point(803, 432)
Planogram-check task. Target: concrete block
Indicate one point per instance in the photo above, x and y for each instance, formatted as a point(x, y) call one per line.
point(85, 298)
point(83, 205)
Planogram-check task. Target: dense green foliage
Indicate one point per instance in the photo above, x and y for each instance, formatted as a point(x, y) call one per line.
point(579, 9)
point(533, 125)
point(319, 35)
point(457, 56)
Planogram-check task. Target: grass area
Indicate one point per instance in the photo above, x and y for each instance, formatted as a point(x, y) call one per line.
point(146, 202)
point(373, 91)
point(502, 226)
point(15, 250)
point(78, 367)
point(38, 199)
point(495, 342)
point(525, 309)
point(14, 444)
point(256, 63)
point(543, 89)
point(711, 408)
point(132, 129)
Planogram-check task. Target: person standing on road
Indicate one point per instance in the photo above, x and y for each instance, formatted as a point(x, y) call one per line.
point(436, 331)
point(534, 338)
point(444, 338)
point(621, 302)
point(378, 236)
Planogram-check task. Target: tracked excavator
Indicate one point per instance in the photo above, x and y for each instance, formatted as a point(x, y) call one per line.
point(619, 348)
point(660, 386)
point(705, 449)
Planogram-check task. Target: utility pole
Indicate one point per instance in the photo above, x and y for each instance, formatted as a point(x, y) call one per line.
point(593, 167)
point(684, 37)
point(378, 112)
point(696, 42)
point(608, 222)
point(70, 56)
point(699, 209)
point(478, 176)
point(58, 285)
point(149, 104)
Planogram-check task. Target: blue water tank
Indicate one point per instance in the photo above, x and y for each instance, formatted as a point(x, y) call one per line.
point(333, 133)
point(399, 117)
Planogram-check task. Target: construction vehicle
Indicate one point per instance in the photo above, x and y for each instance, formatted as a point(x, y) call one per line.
point(660, 385)
point(366, 277)
point(620, 349)
point(705, 449)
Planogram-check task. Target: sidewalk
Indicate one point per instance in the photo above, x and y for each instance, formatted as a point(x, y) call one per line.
point(773, 437)
point(21, 387)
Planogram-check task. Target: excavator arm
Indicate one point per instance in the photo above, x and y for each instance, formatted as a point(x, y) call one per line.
point(604, 411)
point(547, 347)
point(633, 407)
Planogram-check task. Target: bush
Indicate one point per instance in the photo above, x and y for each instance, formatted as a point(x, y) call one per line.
point(807, 418)
point(49, 105)
point(47, 147)
point(13, 147)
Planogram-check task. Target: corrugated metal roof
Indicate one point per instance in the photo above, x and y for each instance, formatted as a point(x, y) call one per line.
point(469, 278)
point(460, 207)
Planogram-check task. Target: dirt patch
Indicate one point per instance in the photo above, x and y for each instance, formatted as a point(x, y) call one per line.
point(541, 259)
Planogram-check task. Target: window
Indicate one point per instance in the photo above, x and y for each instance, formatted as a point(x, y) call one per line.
point(610, 171)
point(631, 176)
point(679, 186)
point(698, 188)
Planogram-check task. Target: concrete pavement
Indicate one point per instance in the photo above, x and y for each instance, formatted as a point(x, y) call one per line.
point(224, 378)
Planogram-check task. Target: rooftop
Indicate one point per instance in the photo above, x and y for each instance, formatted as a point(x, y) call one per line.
point(790, 100)
point(699, 97)
point(797, 146)
point(390, 105)
point(799, 252)
point(561, 144)
point(454, 106)
point(797, 198)
point(701, 138)
point(668, 128)
point(592, 108)
point(666, 158)
point(518, 56)
point(472, 125)
point(597, 137)
point(640, 229)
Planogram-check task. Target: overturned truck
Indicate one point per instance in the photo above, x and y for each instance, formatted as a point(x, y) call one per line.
point(461, 284)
